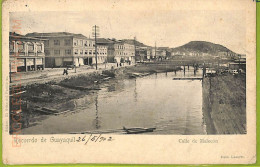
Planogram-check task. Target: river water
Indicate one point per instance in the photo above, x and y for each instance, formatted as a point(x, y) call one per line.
point(171, 106)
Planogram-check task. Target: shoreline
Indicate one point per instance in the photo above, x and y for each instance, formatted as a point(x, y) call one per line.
point(224, 104)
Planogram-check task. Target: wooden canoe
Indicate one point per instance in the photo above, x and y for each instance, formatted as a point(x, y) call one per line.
point(137, 130)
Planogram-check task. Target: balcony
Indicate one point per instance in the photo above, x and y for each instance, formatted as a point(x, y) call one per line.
point(40, 54)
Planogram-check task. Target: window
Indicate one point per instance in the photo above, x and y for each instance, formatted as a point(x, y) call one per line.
point(11, 46)
point(56, 42)
point(30, 48)
point(68, 52)
point(56, 52)
point(39, 48)
point(76, 51)
point(67, 42)
point(20, 47)
point(81, 42)
point(86, 52)
point(76, 42)
point(46, 43)
point(86, 43)
point(90, 52)
point(47, 52)
point(81, 52)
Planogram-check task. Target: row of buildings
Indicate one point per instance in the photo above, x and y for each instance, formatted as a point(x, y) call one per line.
point(35, 51)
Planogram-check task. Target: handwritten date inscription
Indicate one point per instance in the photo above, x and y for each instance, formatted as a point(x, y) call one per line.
point(94, 138)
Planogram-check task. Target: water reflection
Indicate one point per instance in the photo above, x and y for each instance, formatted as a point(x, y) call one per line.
point(97, 121)
point(135, 92)
point(172, 106)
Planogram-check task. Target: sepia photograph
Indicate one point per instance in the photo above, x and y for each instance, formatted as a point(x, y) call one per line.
point(113, 72)
point(113, 81)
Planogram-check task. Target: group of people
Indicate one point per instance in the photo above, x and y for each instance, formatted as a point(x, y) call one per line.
point(120, 64)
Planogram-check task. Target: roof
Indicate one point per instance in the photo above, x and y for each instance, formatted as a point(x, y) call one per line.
point(132, 41)
point(55, 34)
point(104, 41)
point(19, 36)
point(163, 48)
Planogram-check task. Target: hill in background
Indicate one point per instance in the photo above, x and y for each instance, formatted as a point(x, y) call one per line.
point(202, 47)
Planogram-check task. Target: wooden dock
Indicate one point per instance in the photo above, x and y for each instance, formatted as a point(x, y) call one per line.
point(188, 79)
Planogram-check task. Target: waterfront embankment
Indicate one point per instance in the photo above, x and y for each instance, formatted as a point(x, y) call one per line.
point(224, 104)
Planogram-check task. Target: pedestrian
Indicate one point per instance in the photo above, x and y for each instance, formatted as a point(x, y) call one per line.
point(64, 71)
point(120, 64)
point(117, 64)
point(67, 72)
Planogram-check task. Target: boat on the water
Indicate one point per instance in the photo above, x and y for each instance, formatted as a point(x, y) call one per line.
point(137, 130)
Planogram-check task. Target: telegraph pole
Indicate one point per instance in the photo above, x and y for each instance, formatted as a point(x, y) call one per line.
point(155, 51)
point(95, 34)
point(96, 45)
point(135, 47)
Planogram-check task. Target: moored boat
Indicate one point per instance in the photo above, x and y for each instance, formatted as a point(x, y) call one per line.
point(137, 130)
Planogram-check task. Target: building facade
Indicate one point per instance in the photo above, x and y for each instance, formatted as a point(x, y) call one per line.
point(118, 50)
point(158, 54)
point(101, 54)
point(26, 53)
point(65, 49)
point(143, 53)
point(124, 52)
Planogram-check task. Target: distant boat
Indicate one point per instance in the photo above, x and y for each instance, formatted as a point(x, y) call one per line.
point(137, 130)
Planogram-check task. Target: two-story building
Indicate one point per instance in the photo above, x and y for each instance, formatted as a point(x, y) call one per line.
point(109, 45)
point(118, 50)
point(158, 53)
point(124, 52)
point(63, 49)
point(101, 54)
point(26, 53)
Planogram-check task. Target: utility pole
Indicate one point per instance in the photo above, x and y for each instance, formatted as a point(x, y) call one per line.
point(10, 73)
point(155, 51)
point(239, 66)
point(135, 47)
point(95, 33)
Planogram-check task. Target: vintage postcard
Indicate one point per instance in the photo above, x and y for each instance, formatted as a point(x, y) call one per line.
point(129, 82)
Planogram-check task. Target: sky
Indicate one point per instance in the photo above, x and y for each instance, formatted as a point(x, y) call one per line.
point(166, 28)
